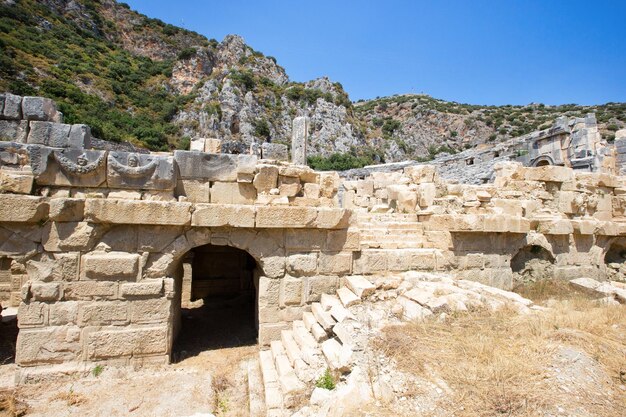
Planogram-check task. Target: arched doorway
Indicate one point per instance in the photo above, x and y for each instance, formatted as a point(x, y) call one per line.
point(12, 276)
point(218, 301)
point(531, 264)
point(615, 261)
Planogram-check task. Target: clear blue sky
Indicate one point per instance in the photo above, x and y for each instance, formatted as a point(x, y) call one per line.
point(471, 51)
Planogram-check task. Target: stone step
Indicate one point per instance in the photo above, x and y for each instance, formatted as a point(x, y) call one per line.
point(308, 319)
point(323, 317)
point(328, 301)
point(338, 356)
point(302, 336)
point(291, 387)
point(360, 286)
point(271, 385)
point(319, 334)
point(347, 297)
point(340, 313)
point(256, 391)
point(291, 347)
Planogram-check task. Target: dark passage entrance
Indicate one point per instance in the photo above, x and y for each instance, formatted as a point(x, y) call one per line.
point(218, 301)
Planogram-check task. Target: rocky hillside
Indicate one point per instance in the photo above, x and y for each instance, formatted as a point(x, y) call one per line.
point(420, 127)
point(137, 79)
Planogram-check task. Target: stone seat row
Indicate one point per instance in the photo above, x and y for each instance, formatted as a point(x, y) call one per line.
point(31, 209)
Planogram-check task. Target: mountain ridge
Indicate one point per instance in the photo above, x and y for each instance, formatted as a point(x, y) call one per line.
point(138, 79)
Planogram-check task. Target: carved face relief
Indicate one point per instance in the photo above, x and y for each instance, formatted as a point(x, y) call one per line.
point(82, 160)
point(133, 161)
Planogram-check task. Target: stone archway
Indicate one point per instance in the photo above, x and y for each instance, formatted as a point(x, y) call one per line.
point(615, 260)
point(216, 306)
point(532, 263)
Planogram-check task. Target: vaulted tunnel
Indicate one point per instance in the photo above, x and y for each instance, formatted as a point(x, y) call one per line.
point(218, 301)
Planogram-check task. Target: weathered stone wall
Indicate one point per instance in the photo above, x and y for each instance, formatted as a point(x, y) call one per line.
point(93, 243)
point(577, 217)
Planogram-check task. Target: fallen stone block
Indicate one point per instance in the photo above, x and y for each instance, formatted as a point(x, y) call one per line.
point(360, 286)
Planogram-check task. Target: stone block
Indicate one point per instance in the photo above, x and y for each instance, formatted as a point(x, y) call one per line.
point(232, 193)
point(14, 130)
point(140, 171)
point(420, 174)
point(102, 313)
point(550, 173)
point(508, 207)
point(16, 182)
point(23, 209)
point(12, 107)
point(299, 138)
point(69, 167)
point(311, 190)
point(371, 262)
point(45, 291)
point(289, 186)
point(212, 215)
point(269, 292)
point(346, 239)
point(129, 341)
point(212, 167)
point(111, 266)
point(302, 264)
point(66, 209)
point(39, 108)
point(138, 212)
point(212, 145)
point(332, 218)
point(335, 263)
point(69, 236)
point(48, 345)
point(155, 310)
point(63, 313)
point(411, 259)
point(80, 137)
point(426, 194)
point(51, 134)
point(360, 286)
point(145, 288)
point(196, 191)
point(285, 217)
point(197, 144)
point(321, 284)
point(291, 291)
point(33, 314)
point(365, 187)
point(274, 151)
point(305, 239)
point(266, 178)
point(329, 184)
point(554, 226)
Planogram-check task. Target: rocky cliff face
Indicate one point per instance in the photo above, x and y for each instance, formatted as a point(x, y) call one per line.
point(137, 79)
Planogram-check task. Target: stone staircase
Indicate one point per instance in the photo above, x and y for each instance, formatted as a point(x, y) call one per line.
point(292, 365)
point(390, 231)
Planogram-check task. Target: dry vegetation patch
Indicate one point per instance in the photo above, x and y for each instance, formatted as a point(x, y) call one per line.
point(502, 363)
point(10, 405)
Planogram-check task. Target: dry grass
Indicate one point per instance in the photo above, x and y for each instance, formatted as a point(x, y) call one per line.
point(546, 289)
point(10, 405)
point(70, 397)
point(497, 363)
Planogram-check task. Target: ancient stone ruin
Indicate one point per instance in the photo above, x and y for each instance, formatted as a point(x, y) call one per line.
point(99, 249)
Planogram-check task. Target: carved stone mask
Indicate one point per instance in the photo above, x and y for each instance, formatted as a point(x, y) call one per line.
point(133, 161)
point(82, 160)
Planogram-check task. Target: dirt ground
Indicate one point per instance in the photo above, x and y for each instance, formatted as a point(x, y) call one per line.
point(209, 376)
